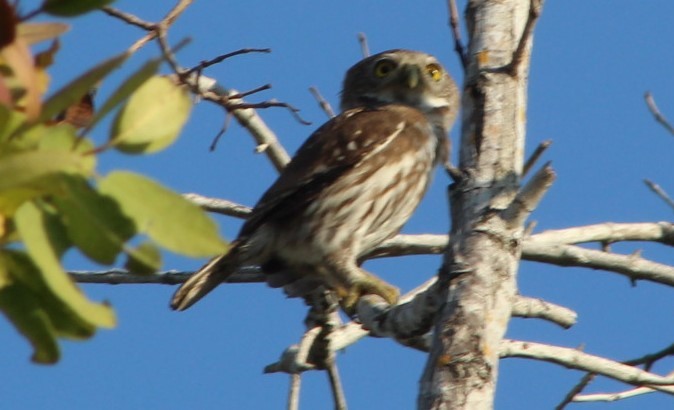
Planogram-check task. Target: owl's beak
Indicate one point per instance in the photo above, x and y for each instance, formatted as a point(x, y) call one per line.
point(410, 76)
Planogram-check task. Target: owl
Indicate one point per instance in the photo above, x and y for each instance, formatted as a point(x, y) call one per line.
point(352, 185)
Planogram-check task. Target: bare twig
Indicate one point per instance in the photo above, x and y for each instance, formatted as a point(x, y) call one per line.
point(268, 104)
point(577, 389)
point(325, 106)
point(527, 307)
point(456, 33)
point(221, 132)
point(621, 395)
point(535, 7)
point(529, 196)
point(662, 232)
point(632, 266)
point(216, 60)
point(646, 360)
point(576, 359)
point(248, 274)
point(336, 386)
point(653, 108)
point(660, 192)
point(294, 393)
point(251, 92)
point(251, 121)
point(128, 18)
point(531, 161)
point(220, 206)
point(364, 48)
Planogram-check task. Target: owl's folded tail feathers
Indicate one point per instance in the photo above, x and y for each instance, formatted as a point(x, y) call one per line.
point(205, 280)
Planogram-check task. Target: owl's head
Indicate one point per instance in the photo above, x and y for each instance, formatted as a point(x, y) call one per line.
point(405, 77)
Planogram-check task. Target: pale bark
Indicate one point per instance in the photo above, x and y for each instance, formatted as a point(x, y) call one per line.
point(484, 250)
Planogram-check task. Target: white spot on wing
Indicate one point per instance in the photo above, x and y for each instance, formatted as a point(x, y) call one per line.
point(382, 145)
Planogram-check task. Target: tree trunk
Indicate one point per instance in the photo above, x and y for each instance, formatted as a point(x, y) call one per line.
point(483, 255)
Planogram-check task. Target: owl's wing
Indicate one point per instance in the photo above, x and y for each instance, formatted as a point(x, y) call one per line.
point(339, 145)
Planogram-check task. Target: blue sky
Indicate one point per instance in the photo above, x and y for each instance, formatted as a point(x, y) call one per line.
point(592, 63)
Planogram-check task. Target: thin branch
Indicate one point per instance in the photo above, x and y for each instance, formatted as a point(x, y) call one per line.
point(650, 359)
point(294, 392)
point(536, 308)
point(577, 389)
point(632, 266)
point(251, 121)
point(576, 359)
point(653, 108)
point(251, 92)
point(243, 112)
point(531, 161)
point(535, 7)
point(456, 33)
point(364, 48)
point(294, 359)
point(247, 274)
point(268, 104)
point(128, 18)
point(216, 60)
point(647, 360)
point(596, 397)
point(529, 196)
point(336, 386)
point(220, 206)
point(662, 232)
point(660, 192)
point(325, 106)
point(221, 132)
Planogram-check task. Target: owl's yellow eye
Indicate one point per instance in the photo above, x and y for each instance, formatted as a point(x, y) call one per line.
point(383, 68)
point(435, 71)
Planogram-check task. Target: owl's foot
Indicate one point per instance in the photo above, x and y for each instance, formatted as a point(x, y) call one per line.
point(367, 285)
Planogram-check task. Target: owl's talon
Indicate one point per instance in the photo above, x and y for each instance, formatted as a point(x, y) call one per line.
point(368, 286)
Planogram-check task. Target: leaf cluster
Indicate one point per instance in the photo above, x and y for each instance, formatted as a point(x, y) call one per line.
point(53, 200)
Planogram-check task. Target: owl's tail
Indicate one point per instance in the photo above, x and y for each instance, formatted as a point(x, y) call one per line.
point(205, 280)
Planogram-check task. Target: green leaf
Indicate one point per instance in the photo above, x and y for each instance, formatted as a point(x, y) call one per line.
point(145, 259)
point(152, 118)
point(64, 321)
point(24, 168)
point(10, 120)
point(73, 92)
point(31, 225)
point(166, 217)
point(70, 8)
point(32, 164)
point(62, 137)
point(24, 311)
point(93, 222)
point(130, 85)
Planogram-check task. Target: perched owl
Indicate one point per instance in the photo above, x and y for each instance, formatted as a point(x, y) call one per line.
point(351, 185)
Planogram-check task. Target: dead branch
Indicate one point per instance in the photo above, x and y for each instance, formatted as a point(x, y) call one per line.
point(535, 308)
point(220, 206)
point(529, 196)
point(325, 106)
point(660, 192)
point(632, 266)
point(538, 152)
point(364, 48)
point(661, 232)
point(456, 33)
point(535, 7)
point(653, 108)
point(576, 359)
